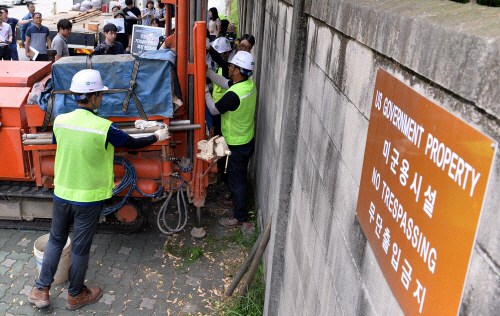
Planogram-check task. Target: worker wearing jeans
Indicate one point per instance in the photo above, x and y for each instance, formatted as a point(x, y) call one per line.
point(237, 110)
point(84, 178)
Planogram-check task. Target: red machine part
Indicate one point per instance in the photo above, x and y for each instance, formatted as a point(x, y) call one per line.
point(127, 214)
point(22, 73)
point(148, 172)
point(12, 121)
point(200, 181)
point(153, 164)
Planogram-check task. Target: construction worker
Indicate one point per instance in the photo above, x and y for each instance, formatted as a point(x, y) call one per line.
point(83, 180)
point(223, 47)
point(237, 109)
point(246, 44)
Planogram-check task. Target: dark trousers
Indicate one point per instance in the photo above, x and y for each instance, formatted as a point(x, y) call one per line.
point(5, 52)
point(85, 220)
point(42, 57)
point(13, 51)
point(237, 177)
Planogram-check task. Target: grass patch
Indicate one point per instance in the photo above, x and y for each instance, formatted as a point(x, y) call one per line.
point(189, 254)
point(215, 244)
point(233, 16)
point(250, 305)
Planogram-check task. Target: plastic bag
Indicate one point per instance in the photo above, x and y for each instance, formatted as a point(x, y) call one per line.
point(96, 4)
point(76, 7)
point(85, 6)
point(35, 93)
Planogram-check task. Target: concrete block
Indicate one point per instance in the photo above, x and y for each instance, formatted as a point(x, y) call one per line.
point(317, 141)
point(344, 273)
point(310, 238)
point(322, 52)
point(297, 243)
point(377, 292)
point(482, 287)
point(318, 262)
point(299, 300)
point(311, 37)
point(305, 119)
point(346, 196)
point(335, 59)
point(334, 105)
point(489, 235)
point(354, 141)
point(323, 218)
point(326, 295)
point(359, 76)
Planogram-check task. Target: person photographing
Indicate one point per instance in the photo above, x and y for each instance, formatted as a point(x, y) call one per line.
point(83, 179)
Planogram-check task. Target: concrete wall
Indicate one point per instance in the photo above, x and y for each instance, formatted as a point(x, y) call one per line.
point(316, 66)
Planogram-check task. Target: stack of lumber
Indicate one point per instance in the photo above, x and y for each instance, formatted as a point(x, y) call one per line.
point(82, 16)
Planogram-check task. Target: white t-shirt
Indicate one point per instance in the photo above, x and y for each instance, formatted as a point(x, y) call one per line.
point(5, 31)
point(212, 26)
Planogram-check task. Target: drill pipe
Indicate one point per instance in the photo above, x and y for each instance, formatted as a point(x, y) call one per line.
point(46, 138)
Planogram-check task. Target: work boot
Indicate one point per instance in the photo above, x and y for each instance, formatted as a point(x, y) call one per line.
point(39, 298)
point(230, 222)
point(88, 296)
point(225, 203)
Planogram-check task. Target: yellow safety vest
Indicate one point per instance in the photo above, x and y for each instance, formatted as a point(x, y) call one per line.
point(218, 92)
point(238, 126)
point(84, 167)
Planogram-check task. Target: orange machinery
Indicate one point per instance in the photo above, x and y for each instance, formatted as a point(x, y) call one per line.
point(27, 171)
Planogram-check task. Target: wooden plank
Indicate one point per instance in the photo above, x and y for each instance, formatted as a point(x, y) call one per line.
point(78, 27)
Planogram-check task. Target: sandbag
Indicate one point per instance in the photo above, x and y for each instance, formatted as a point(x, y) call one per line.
point(154, 85)
point(96, 4)
point(85, 6)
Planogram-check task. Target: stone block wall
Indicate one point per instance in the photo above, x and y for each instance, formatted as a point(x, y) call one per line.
point(316, 66)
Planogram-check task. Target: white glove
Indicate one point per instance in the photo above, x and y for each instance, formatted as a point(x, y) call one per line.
point(145, 124)
point(162, 134)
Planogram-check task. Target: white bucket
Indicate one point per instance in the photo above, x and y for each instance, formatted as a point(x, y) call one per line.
point(63, 267)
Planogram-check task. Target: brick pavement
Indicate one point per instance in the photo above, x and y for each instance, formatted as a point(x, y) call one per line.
point(136, 276)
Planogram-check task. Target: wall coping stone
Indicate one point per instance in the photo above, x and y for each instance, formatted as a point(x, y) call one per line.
point(456, 46)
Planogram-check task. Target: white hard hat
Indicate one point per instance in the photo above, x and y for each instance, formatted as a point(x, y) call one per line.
point(222, 45)
point(243, 60)
point(87, 80)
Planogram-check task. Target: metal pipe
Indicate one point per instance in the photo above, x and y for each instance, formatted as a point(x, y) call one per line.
point(180, 122)
point(172, 123)
point(198, 217)
point(189, 127)
point(37, 136)
point(46, 138)
point(182, 43)
point(40, 141)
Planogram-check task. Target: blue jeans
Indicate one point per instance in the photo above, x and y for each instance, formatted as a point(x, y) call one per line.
point(85, 220)
point(237, 177)
point(13, 53)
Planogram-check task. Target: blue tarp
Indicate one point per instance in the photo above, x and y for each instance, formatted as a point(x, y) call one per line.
point(154, 86)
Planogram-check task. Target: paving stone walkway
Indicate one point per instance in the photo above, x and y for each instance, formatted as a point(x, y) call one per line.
point(136, 275)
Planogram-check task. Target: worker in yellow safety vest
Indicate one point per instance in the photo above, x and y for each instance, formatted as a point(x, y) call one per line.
point(223, 47)
point(237, 109)
point(83, 173)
